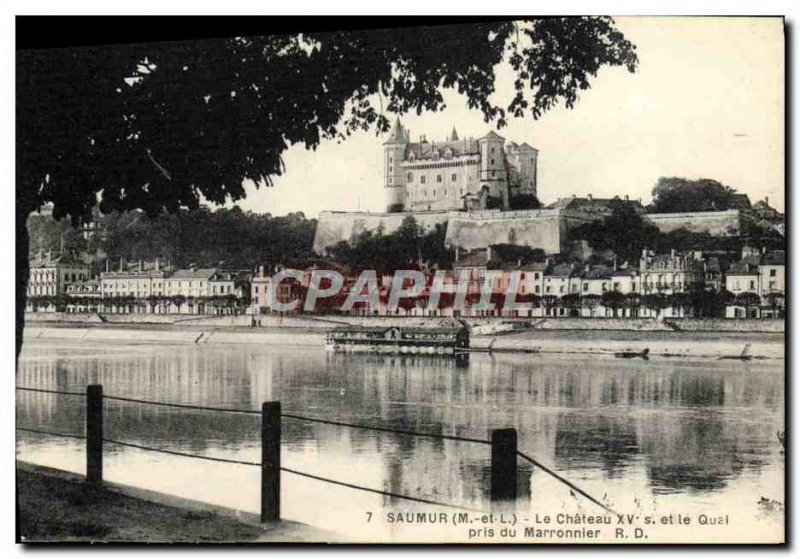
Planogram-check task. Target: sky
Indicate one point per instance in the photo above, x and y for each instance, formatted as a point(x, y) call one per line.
point(707, 101)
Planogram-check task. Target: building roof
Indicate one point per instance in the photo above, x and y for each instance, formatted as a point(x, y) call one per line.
point(562, 270)
point(774, 258)
point(396, 134)
point(477, 259)
point(197, 273)
point(52, 261)
point(491, 135)
point(534, 267)
point(426, 150)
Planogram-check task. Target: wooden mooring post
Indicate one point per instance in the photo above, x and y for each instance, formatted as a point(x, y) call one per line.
point(270, 461)
point(504, 465)
point(94, 433)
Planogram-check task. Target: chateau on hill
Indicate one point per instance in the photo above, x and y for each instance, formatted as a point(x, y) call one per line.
point(456, 174)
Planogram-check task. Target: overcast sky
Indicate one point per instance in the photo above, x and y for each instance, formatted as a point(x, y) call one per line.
point(706, 102)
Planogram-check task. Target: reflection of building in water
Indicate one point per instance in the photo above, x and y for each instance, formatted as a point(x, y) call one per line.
point(672, 416)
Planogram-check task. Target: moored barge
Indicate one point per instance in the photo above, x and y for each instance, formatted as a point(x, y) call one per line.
point(432, 340)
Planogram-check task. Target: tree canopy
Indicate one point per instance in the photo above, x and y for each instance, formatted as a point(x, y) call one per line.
point(160, 126)
point(675, 194)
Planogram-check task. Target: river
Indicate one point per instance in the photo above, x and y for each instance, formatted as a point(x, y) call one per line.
point(665, 436)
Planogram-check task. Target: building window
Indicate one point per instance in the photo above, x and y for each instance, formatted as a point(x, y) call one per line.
point(390, 168)
point(390, 180)
point(752, 284)
point(492, 174)
point(772, 272)
point(454, 177)
point(585, 286)
point(422, 179)
point(491, 161)
point(536, 275)
point(410, 177)
point(438, 178)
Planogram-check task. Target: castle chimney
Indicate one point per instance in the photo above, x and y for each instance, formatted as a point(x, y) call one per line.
point(488, 253)
point(766, 200)
point(120, 263)
point(108, 266)
point(626, 197)
point(158, 263)
point(456, 253)
point(672, 253)
point(589, 196)
point(141, 266)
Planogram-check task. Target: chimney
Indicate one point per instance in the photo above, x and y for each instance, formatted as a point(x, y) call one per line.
point(120, 263)
point(626, 198)
point(615, 263)
point(488, 253)
point(456, 253)
point(766, 200)
point(49, 254)
point(672, 253)
point(158, 264)
point(141, 266)
point(108, 266)
point(39, 254)
point(589, 196)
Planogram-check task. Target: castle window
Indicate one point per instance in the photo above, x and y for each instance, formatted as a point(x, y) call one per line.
point(390, 168)
point(492, 152)
point(492, 174)
point(390, 180)
point(411, 177)
point(454, 177)
point(422, 179)
point(491, 161)
point(438, 178)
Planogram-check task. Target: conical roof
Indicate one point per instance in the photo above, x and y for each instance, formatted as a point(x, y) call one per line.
point(454, 135)
point(396, 135)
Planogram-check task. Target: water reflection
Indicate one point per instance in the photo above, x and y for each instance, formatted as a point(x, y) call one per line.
point(670, 426)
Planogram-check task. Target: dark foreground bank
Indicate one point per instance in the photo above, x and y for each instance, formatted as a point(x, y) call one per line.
point(57, 506)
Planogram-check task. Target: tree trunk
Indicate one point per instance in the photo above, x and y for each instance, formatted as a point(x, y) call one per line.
point(23, 270)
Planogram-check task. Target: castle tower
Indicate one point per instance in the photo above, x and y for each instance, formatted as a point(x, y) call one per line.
point(527, 160)
point(492, 172)
point(394, 180)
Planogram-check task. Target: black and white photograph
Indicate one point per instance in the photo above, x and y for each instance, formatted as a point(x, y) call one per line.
point(414, 280)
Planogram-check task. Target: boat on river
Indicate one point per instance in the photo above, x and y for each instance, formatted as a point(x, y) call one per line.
point(632, 354)
point(439, 339)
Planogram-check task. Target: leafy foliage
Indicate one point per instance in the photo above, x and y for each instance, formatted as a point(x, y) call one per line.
point(675, 194)
point(227, 238)
point(401, 250)
point(524, 202)
point(516, 253)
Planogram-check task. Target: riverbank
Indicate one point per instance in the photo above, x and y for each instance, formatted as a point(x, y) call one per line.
point(58, 506)
point(660, 343)
point(326, 322)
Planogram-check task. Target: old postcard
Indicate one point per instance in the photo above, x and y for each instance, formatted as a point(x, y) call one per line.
point(418, 281)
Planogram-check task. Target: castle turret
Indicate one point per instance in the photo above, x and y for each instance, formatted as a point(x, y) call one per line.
point(492, 171)
point(394, 150)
